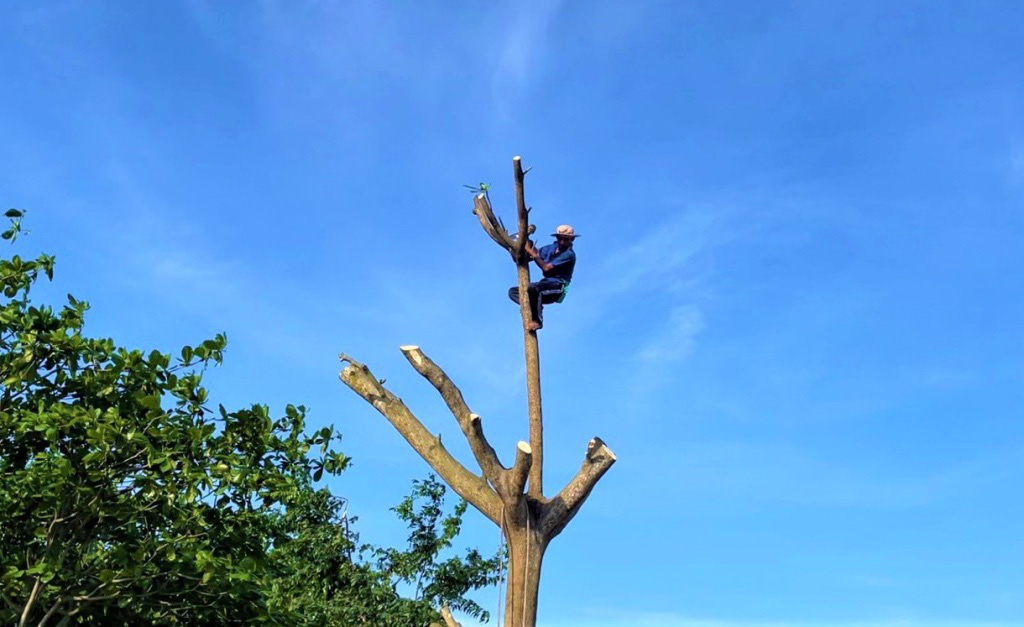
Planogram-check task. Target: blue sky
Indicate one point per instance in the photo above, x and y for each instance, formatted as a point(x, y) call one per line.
point(796, 316)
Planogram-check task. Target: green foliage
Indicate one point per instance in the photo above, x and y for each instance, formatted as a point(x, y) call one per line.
point(124, 499)
point(430, 533)
point(127, 498)
point(323, 578)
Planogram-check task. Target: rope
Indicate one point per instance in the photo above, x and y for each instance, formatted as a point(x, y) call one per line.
point(526, 571)
point(501, 562)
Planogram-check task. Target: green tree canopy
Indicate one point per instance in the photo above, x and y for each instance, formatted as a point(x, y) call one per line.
point(127, 497)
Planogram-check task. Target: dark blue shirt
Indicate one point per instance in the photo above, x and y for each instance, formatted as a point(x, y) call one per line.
point(563, 261)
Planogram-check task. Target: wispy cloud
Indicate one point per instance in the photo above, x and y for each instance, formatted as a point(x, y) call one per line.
point(523, 46)
point(524, 41)
point(1017, 164)
point(181, 268)
point(663, 256)
point(674, 341)
point(669, 268)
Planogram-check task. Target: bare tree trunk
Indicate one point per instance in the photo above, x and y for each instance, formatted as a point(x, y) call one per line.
point(529, 519)
point(526, 554)
point(530, 343)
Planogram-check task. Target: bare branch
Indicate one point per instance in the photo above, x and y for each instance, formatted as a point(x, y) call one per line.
point(492, 225)
point(449, 620)
point(495, 228)
point(30, 603)
point(561, 509)
point(469, 486)
point(49, 614)
point(519, 472)
point(469, 422)
point(522, 211)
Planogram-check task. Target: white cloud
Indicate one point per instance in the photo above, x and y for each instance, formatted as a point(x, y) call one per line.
point(675, 340)
point(524, 42)
point(662, 257)
point(670, 266)
point(523, 45)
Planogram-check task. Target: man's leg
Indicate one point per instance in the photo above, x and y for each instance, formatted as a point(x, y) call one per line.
point(533, 293)
point(548, 291)
point(535, 311)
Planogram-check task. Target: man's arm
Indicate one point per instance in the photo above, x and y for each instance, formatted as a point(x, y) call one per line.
point(532, 252)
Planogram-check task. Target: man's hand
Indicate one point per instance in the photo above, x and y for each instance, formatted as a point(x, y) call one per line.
point(530, 250)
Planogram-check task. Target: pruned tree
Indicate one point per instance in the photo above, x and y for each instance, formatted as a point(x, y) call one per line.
point(512, 497)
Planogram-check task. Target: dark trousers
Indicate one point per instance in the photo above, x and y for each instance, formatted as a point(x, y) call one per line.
point(543, 292)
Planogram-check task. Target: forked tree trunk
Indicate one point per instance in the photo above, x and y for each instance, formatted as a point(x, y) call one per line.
point(529, 520)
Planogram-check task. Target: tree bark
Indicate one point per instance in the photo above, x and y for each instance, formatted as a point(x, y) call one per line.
point(27, 611)
point(530, 343)
point(526, 554)
point(449, 620)
point(511, 497)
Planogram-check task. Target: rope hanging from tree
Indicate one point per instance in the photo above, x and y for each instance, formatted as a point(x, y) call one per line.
point(501, 562)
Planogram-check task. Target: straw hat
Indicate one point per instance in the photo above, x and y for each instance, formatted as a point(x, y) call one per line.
point(564, 231)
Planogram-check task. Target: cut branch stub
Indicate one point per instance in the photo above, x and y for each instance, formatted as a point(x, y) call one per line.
point(521, 470)
point(561, 509)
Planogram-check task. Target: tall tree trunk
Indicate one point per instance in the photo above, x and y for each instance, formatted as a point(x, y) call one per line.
point(530, 343)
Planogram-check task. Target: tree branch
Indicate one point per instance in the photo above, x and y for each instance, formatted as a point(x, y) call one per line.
point(469, 422)
point(561, 509)
point(522, 213)
point(26, 612)
point(49, 614)
point(492, 225)
point(521, 470)
point(469, 486)
point(449, 620)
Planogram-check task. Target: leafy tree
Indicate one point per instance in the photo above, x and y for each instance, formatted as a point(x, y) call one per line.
point(438, 583)
point(127, 498)
point(324, 578)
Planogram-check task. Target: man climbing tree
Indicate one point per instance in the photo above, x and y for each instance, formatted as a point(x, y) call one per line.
point(557, 262)
point(512, 497)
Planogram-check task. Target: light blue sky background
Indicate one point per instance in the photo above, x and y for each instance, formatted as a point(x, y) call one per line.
point(797, 309)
